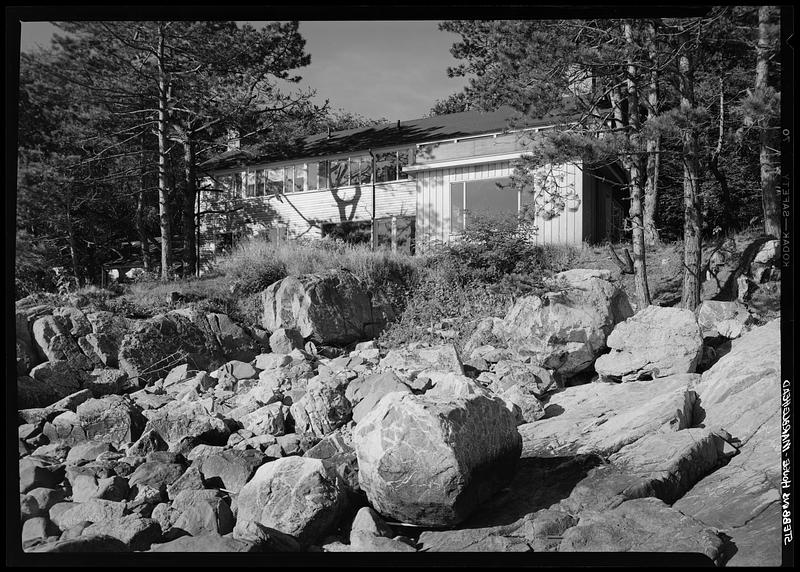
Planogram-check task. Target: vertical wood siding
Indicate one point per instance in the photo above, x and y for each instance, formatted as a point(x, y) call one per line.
point(433, 203)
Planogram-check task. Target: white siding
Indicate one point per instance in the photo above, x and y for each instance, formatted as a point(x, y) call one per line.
point(433, 202)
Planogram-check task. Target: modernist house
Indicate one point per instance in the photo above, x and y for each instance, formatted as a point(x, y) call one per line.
point(420, 181)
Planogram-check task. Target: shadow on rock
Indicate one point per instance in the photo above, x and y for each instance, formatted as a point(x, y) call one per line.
point(539, 483)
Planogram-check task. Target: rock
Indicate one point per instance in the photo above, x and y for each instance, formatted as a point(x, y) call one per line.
point(88, 451)
point(113, 419)
point(768, 254)
point(731, 317)
point(86, 487)
point(655, 342)
point(94, 510)
point(272, 361)
point(106, 381)
point(232, 469)
point(178, 420)
point(425, 459)
point(136, 532)
point(290, 444)
point(35, 473)
point(190, 480)
point(210, 542)
point(366, 392)
point(154, 346)
point(530, 408)
point(65, 429)
point(331, 308)
point(73, 400)
point(56, 379)
point(323, 409)
point(267, 420)
point(234, 340)
point(739, 396)
point(149, 441)
point(284, 340)
point(369, 543)
point(294, 495)
point(602, 418)
point(536, 380)
point(156, 475)
point(237, 370)
point(83, 544)
point(204, 514)
point(40, 500)
point(469, 540)
point(37, 527)
point(52, 335)
point(409, 363)
point(267, 539)
point(565, 330)
point(337, 453)
point(369, 522)
point(641, 525)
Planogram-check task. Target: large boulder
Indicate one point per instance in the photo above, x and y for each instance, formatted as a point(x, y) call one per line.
point(234, 340)
point(295, 495)
point(431, 459)
point(655, 342)
point(409, 363)
point(717, 318)
point(53, 380)
point(741, 395)
point(113, 419)
point(332, 308)
point(602, 418)
point(565, 330)
point(178, 420)
point(54, 338)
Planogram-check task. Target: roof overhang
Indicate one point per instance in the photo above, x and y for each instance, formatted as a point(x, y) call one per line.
point(463, 162)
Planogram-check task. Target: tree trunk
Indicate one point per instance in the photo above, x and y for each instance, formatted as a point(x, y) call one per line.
point(728, 220)
point(189, 196)
point(691, 209)
point(653, 144)
point(769, 176)
point(73, 248)
point(164, 211)
point(635, 165)
point(141, 231)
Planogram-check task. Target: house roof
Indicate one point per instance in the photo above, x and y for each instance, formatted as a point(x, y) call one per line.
point(435, 128)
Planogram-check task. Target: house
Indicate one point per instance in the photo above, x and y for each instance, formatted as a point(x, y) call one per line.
point(420, 181)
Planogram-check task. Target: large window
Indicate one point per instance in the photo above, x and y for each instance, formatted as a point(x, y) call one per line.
point(299, 178)
point(275, 181)
point(360, 170)
point(339, 175)
point(489, 198)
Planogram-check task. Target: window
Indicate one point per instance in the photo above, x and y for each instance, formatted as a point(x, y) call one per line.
point(360, 170)
point(300, 178)
point(385, 167)
point(402, 162)
point(275, 181)
point(489, 197)
point(250, 183)
point(237, 184)
point(288, 182)
point(339, 175)
point(323, 175)
point(313, 176)
point(260, 183)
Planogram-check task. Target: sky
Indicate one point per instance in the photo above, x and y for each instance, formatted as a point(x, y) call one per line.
point(378, 69)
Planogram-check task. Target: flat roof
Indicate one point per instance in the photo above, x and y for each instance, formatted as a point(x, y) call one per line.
point(436, 128)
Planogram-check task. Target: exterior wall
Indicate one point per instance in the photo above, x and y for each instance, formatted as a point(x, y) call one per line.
point(301, 214)
point(433, 202)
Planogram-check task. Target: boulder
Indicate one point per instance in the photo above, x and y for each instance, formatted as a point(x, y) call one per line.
point(35, 473)
point(60, 378)
point(337, 453)
point(322, 409)
point(234, 340)
point(88, 451)
point(106, 381)
point(267, 539)
point(284, 340)
point(295, 495)
point(602, 418)
point(86, 487)
point(431, 459)
point(135, 532)
point(210, 542)
point(655, 342)
point(567, 329)
point(408, 363)
point(52, 335)
point(272, 361)
point(231, 469)
point(149, 441)
point(156, 475)
point(113, 419)
point(530, 408)
point(178, 420)
point(641, 525)
point(740, 396)
point(332, 308)
point(203, 512)
point(717, 318)
point(82, 544)
point(532, 378)
point(366, 392)
point(266, 420)
point(94, 510)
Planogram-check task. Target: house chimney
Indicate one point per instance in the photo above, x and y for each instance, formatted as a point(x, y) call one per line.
point(398, 125)
point(329, 131)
